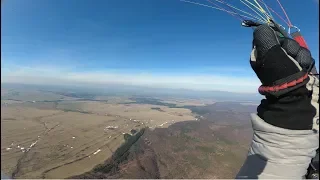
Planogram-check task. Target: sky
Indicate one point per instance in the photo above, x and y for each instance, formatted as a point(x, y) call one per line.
point(153, 43)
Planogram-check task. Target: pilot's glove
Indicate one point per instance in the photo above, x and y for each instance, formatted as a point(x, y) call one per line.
point(289, 81)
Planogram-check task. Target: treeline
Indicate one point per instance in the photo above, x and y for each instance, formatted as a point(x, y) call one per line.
point(201, 110)
point(78, 111)
point(111, 165)
point(130, 140)
point(151, 101)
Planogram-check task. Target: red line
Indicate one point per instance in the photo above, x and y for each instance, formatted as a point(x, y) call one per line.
point(285, 13)
point(275, 13)
point(240, 18)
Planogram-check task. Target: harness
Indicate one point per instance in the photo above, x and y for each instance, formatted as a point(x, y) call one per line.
point(313, 170)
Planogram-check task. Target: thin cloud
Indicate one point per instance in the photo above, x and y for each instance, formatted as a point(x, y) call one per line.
point(56, 76)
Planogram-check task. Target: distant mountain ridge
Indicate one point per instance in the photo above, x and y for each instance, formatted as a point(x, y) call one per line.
point(113, 89)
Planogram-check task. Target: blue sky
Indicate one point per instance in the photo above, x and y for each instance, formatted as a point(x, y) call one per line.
point(156, 43)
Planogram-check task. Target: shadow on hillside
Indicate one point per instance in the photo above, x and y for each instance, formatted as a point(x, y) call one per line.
point(189, 149)
point(253, 167)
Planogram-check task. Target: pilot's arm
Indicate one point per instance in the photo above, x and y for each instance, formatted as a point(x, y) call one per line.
point(286, 125)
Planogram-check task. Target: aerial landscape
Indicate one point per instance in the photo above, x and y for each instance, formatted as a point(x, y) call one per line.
point(69, 133)
point(137, 89)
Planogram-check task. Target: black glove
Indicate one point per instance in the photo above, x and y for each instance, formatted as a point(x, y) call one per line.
point(284, 69)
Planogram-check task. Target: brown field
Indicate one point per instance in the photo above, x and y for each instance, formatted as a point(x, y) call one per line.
point(188, 102)
point(66, 138)
point(29, 95)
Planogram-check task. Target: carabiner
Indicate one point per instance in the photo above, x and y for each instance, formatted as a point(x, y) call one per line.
point(289, 29)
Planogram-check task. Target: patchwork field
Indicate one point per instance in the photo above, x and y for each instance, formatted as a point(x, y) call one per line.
point(47, 132)
point(62, 136)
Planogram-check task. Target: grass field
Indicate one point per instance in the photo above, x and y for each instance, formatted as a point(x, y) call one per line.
point(52, 136)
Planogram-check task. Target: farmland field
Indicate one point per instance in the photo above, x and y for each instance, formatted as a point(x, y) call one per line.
point(50, 135)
